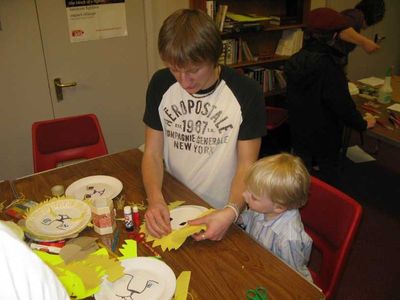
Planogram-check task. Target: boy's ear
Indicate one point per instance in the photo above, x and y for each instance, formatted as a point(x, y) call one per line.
point(279, 208)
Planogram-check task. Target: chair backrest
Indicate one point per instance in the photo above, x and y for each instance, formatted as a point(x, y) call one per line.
point(331, 218)
point(64, 139)
point(276, 116)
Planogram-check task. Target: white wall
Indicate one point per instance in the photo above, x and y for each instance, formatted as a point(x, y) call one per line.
point(156, 12)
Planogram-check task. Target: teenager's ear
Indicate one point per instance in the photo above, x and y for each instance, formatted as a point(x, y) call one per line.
point(279, 208)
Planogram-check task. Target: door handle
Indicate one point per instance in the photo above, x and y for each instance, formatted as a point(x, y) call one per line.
point(59, 86)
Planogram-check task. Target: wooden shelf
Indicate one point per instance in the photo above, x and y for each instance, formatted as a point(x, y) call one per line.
point(260, 61)
point(263, 40)
point(275, 92)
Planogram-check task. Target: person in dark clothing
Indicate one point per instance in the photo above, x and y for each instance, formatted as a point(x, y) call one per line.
point(366, 13)
point(319, 102)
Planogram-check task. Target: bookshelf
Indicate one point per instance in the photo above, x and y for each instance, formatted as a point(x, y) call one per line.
point(261, 37)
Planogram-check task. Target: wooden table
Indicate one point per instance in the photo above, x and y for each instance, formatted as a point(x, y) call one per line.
point(219, 270)
point(381, 132)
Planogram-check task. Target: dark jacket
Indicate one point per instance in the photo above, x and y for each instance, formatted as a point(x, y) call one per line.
point(319, 102)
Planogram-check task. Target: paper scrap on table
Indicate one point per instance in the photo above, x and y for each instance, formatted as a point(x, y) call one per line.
point(353, 89)
point(358, 155)
point(182, 286)
point(128, 250)
point(83, 278)
point(372, 81)
point(78, 248)
point(394, 107)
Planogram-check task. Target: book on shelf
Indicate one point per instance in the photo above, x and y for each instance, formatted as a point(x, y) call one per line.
point(220, 16)
point(290, 42)
point(251, 18)
point(210, 8)
point(246, 52)
point(283, 20)
point(269, 79)
point(229, 54)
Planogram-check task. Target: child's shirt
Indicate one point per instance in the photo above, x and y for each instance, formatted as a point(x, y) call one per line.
point(284, 236)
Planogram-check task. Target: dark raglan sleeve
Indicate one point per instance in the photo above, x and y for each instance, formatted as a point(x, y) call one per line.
point(251, 99)
point(159, 83)
point(337, 97)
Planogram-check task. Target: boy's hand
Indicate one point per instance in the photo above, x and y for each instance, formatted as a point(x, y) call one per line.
point(217, 223)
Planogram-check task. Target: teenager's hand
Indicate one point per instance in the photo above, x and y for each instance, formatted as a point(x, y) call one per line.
point(217, 223)
point(369, 46)
point(157, 219)
point(371, 121)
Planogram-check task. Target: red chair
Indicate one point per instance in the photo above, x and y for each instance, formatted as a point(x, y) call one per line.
point(331, 218)
point(65, 139)
point(276, 116)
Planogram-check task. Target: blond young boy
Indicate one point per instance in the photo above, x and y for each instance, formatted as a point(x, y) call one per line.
point(276, 187)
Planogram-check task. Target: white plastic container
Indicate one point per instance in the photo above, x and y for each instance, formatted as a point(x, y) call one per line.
point(385, 92)
point(103, 216)
point(128, 218)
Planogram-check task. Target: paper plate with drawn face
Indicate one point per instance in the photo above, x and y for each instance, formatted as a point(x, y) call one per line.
point(58, 218)
point(144, 278)
point(180, 215)
point(95, 187)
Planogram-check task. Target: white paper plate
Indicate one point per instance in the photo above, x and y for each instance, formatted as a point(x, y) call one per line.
point(14, 228)
point(145, 278)
point(95, 187)
point(58, 219)
point(180, 215)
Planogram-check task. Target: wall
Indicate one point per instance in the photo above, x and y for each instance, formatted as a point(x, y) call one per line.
point(317, 3)
point(156, 12)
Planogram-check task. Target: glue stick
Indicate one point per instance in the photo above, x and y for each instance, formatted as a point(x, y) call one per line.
point(136, 217)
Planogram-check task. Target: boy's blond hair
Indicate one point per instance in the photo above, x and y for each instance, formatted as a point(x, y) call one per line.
point(189, 37)
point(282, 177)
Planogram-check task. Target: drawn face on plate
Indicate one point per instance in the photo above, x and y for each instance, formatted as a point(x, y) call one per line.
point(181, 215)
point(131, 286)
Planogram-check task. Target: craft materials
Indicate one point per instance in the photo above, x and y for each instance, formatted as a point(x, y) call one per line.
point(384, 125)
point(115, 240)
point(103, 217)
point(140, 238)
point(18, 209)
point(45, 248)
point(128, 218)
point(370, 109)
point(57, 190)
point(259, 293)
point(136, 217)
point(102, 245)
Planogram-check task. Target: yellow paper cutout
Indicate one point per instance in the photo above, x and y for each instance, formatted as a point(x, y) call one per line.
point(175, 204)
point(83, 278)
point(128, 250)
point(182, 285)
point(177, 237)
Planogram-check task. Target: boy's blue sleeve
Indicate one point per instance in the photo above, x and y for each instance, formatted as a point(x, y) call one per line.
point(296, 253)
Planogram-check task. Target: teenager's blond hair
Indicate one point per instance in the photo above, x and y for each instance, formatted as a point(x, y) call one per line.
point(189, 37)
point(282, 177)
